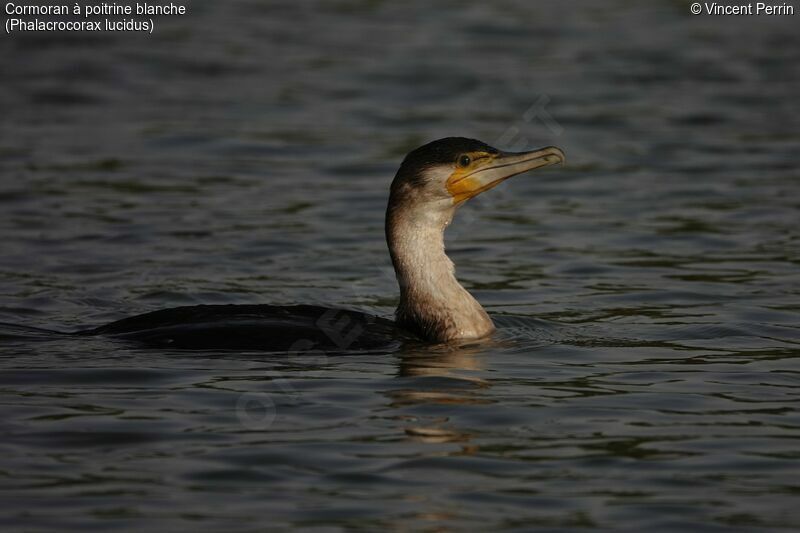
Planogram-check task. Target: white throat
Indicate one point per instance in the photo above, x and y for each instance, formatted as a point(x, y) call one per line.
point(432, 302)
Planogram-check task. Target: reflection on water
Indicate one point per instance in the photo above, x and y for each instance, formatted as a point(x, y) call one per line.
point(645, 370)
point(447, 375)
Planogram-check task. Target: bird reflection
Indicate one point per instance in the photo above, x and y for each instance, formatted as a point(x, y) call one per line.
point(442, 375)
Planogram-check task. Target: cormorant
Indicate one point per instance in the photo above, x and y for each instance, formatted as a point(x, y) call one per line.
point(432, 182)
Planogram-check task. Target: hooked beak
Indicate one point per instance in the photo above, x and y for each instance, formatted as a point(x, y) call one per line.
point(484, 175)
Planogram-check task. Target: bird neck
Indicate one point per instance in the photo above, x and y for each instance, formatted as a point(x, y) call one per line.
point(433, 304)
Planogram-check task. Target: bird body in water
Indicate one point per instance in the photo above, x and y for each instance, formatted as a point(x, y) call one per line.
point(432, 182)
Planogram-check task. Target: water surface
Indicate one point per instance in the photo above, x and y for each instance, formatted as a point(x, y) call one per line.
point(645, 374)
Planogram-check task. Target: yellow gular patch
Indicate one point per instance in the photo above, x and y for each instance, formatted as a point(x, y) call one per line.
point(461, 185)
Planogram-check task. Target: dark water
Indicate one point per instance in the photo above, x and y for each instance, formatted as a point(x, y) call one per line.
point(646, 375)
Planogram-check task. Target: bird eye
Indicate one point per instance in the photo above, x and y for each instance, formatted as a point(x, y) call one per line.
point(464, 161)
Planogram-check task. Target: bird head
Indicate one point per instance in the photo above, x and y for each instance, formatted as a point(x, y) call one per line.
point(450, 171)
